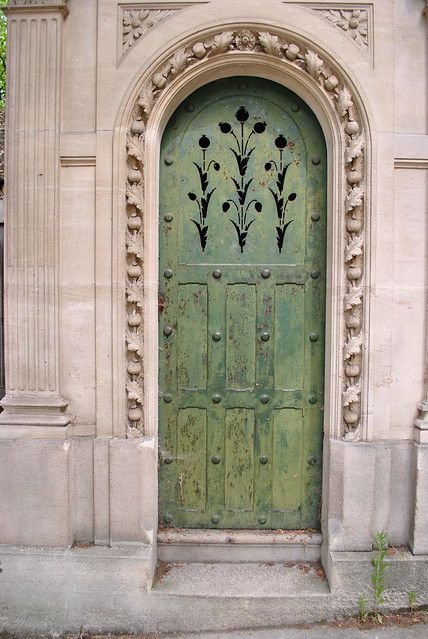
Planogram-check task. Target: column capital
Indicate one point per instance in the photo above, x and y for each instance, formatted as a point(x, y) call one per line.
point(421, 423)
point(33, 6)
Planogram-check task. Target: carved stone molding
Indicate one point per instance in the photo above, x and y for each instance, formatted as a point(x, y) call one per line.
point(37, 5)
point(353, 22)
point(336, 90)
point(136, 22)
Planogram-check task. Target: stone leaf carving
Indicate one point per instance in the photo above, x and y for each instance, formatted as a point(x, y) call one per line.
point(353, 22)
point(351, 394)
point(136, 23)
point(325, 79)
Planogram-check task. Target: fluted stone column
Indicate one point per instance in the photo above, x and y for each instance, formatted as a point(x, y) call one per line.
point(33, 405)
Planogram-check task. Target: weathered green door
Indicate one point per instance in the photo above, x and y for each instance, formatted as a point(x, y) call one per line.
point(242, 309)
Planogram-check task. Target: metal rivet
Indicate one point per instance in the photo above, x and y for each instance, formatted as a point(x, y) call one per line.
point(189, 108)
point(265, 273)
point(264, 336)
point(313, 337)
point(263, 460)
point(216, 398)
point(215, 519)
point(264, 399)
point(167, 398)
point(168, 217)
point(168, 273)
point(262, 519)
point(312, 398)
point(216, 336)
point(168, 160)
point(215, 459)
point(242, 85)
point(167, 331)
point(315, 216)
point(295, 108)
point(316, 161)
point(167, 518)
point(315, 273)
point(167, 460)
point(312, 460)
point(216, 273)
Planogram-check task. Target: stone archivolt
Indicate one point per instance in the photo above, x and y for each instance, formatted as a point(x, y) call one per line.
point(309, 62)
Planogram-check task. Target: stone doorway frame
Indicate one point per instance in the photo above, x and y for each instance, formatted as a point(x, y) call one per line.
point(299, 65)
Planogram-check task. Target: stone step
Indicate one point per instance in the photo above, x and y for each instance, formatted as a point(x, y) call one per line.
point(241, 579)
point(178, 545)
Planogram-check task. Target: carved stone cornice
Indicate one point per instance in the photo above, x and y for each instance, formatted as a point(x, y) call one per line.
point(334, 86)
point(34, 6)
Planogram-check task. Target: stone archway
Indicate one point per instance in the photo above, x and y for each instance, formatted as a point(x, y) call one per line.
point(209, 54)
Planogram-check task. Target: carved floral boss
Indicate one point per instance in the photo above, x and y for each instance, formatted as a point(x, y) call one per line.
point(242, 154)
point(325, 79)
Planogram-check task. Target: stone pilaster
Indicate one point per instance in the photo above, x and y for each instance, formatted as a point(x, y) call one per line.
point(33, 404)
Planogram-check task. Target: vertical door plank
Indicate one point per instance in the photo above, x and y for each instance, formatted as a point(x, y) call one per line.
point(287, 459)
point(239, 458)
point(241, 336)
point(289, 336)
point(191, 457)
point(192, 336)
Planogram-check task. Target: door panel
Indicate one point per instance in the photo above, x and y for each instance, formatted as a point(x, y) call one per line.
point(241, 337)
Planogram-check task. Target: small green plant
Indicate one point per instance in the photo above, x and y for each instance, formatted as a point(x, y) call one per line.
point(413, 599)
point(362, 607)
point(379, 564)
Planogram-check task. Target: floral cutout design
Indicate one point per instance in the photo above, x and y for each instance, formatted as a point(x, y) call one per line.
point(203, 201)
point(242, 156)
point(278, 193)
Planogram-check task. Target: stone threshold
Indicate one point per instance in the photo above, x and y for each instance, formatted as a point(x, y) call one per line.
point(195, 545)
point(243, 580)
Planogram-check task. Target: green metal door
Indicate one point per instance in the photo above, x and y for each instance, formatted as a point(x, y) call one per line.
point(241, 309)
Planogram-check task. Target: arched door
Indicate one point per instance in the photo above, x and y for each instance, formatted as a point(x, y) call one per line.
point(242, 309)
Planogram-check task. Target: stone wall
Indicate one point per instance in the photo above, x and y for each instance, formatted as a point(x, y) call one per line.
point(73, 470)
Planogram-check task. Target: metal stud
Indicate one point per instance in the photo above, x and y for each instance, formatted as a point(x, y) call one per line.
point(265, 336)
point(189, 108)
point(265, 273)
point(262, 519)
point(312, 399)
point(312, 460)
point(167, 460)
point(167, 398)
point(168, 272)
point(315, 161)
point(216, 274)
point(168, 159)
point(216, 336)
point(215, 519)
point(168, 217)
point(315, 216)
point(167, 518)
point(315, 273)
point(295, 108)
point(263, 460)
point(242, 85)
point(167, 331)
point(216, 398)
point(264, 399)
point(215, 459)
point(313, 337)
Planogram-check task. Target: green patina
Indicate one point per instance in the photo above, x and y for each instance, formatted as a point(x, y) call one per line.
point(242, 276)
